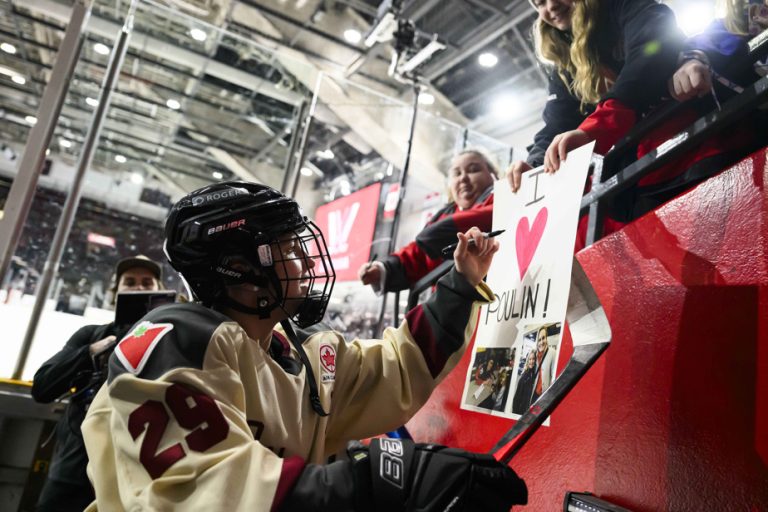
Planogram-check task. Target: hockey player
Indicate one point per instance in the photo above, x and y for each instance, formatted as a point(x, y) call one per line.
point(209, 407)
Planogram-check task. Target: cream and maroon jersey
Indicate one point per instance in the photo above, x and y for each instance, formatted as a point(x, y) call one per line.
point(196, 415)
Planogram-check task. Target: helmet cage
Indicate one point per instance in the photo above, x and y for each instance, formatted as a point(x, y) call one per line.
point(271, 246)
point(302, 266)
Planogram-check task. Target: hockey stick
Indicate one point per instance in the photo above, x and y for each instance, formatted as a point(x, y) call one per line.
point(591, 335)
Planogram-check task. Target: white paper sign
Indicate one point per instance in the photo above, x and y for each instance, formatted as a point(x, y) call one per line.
point(518, 338)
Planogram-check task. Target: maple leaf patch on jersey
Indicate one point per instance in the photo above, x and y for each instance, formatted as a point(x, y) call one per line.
point(328, 363)
point(135, 348)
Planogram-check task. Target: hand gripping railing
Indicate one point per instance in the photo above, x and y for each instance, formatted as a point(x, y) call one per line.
point(610, 179)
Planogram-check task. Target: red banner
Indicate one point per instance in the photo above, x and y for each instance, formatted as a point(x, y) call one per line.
point(348, 225)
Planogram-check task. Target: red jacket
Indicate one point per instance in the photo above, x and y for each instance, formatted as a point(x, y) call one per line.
point(418, 258)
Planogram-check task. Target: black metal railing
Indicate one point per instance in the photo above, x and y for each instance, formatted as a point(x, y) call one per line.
point(609, 178)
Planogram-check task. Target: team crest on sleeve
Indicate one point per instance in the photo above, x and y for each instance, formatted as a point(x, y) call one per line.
point(135, 348)
point(328, 363)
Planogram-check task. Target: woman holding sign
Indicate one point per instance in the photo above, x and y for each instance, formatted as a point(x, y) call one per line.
point(609, 65)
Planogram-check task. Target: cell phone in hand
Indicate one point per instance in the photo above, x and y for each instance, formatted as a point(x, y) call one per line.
point(131, 306)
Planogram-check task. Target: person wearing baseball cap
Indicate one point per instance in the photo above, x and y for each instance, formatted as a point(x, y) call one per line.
point(137, 273)
point(79, 366)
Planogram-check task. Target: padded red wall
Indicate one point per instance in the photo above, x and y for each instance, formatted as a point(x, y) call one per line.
point(675, 414)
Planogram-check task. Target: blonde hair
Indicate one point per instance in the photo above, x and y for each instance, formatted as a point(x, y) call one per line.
point(574, 54)
point(735, 19)
point(482, 155)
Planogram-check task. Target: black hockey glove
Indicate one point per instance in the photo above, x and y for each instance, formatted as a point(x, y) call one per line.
point(427, 477)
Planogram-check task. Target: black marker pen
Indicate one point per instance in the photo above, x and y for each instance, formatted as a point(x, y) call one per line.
point(448, 249)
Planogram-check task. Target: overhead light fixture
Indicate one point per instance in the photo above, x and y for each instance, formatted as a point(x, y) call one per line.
point(8, 48)
point(92, 102)
point(101, 49)
point(198, 34)
point(120, 159)
point(487, 59)
point(426, 98)
point(326, 154)
point(137, 178)
point(31, 120)
point(217, 175)
point(423, 55)
point(173, 104)
point(318, 15)
point(13, 74)
point(65, 143)
point(693, 18)
point(352, 36)
point(306, 171)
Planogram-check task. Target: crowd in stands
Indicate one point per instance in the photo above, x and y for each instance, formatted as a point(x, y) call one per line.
point(84, 263)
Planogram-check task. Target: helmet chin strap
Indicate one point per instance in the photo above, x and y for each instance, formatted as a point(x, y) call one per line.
point(264, 310)
point(314, 396)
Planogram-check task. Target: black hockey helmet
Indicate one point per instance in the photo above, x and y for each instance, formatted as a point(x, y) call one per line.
point(210, 228)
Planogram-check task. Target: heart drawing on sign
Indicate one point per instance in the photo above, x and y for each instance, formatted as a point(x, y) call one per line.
point(527, 239)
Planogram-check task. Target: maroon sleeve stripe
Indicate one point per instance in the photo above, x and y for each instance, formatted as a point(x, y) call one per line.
point(292, 468)
point(423, 333)
point(438, 325)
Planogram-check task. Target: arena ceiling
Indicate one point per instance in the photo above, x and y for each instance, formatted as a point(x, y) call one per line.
point(191, 111)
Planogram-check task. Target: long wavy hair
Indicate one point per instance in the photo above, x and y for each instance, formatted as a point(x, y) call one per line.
point(735, 19)
point(574, 54)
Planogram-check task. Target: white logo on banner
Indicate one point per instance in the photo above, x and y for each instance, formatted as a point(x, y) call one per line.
point(518, 337)
point(340, 224)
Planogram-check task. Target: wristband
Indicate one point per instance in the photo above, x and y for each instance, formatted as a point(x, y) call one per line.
point(694, 55)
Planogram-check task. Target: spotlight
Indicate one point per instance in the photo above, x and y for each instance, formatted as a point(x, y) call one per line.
point(65, 143)
point(137, 178)
point(352, 36)
point(386, 23)
point(8, 48)
point(426, 98)
point(694, 17)
point(31, 120)
point(101, 49)
point(92, 102)
point(217, 175)
point(198, 34)
point(173, 104)
point(12, 74)
point(120, 159)
point(487, 59)
point(318, 15)
point(422, 55)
